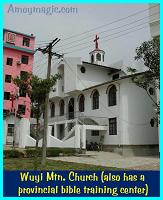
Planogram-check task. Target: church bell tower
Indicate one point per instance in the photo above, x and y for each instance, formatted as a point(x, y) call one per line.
point(97, 56)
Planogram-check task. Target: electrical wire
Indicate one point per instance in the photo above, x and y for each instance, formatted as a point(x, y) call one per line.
point(98, 27)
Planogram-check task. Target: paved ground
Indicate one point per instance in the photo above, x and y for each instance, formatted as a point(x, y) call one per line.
point(114, 160)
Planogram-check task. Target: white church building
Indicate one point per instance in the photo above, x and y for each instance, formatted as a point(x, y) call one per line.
point(93, 102)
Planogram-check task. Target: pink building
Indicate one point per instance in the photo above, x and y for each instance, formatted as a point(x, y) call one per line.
point(18, 59)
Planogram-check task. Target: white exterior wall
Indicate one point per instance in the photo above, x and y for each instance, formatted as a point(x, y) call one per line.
point(74, 80)
point(23, 137)
point(133, 112)
point(93, 75)
point(11, 120)
point(70, 74)
point(103, 113)
point(136, 110)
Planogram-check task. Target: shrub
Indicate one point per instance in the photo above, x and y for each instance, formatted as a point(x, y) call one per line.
point(30, 153)
point(13, 153)
point(50, 152)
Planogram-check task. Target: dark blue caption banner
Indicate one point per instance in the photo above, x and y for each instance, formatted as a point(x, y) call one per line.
point(81, 183)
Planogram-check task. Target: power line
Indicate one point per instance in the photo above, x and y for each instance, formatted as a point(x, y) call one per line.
point(90, 30)
point(40, 70)
point(106, 36)
point(41, 58)
point(108, 30)
point(105, 40)
point(93, 29)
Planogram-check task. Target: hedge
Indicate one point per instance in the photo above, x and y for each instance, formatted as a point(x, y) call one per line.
point(13, 153)
point(32, 152)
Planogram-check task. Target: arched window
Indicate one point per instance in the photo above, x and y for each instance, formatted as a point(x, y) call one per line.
point(151, 91)
point(95, 100)
point(98, 56)
point(92, 58)
point(52, 109)
point(112, 96)
point(71, 108)
point(81, 103)
point(62, 107)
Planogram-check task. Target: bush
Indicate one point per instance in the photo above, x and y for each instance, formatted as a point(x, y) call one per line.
point(13, 153)
point(32, 152)
point(50, 152)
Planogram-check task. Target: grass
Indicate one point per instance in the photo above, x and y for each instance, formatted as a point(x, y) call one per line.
point(30, 164)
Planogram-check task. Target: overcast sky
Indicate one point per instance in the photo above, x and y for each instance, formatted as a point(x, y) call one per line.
point(89, 16)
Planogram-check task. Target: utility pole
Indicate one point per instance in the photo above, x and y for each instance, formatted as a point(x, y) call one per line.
point(47, 50)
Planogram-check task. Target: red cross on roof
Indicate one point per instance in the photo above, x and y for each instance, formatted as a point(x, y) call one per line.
point(96, 42)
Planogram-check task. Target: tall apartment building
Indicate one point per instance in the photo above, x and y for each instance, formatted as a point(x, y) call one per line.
point(18, 59)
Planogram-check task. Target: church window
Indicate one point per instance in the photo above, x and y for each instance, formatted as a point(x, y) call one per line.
point(95, 100)
point(92, 58)
point(103, 58)
point(115, 76)
point(98, 56)
point(152, 122)
point(112, 126)
point(81, 103)
point(52, 130)
point(52, 109)
point(112, 96)
point(151, 91)
point(62, 105)
point(82, 69)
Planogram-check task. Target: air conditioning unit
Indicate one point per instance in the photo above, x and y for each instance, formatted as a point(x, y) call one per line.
point(19, 63)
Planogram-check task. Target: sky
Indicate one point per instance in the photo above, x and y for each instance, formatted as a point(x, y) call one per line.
point(116, 25)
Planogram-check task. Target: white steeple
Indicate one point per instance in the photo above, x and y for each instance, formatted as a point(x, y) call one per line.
point(97, 56)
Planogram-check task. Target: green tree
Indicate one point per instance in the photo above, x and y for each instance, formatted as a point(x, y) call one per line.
point(39, 89)
point(149, 54)
point(36, 88)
